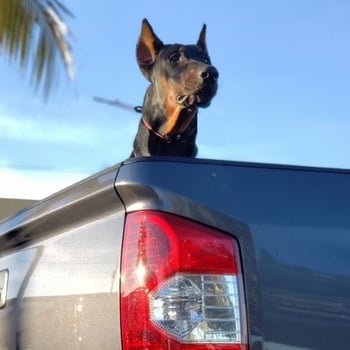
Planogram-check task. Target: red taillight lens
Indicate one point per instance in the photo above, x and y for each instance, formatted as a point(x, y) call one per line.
point(180, 286)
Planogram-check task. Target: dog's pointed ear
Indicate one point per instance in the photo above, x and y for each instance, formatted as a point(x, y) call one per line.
point(202, 43)
point(147, 49)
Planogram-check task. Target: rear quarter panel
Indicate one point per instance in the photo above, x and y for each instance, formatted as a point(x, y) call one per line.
point(63, 256)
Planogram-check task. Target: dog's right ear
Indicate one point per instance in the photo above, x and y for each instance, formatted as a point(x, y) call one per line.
point(147, 49)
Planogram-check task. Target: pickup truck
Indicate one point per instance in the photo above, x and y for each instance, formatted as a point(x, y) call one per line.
point(172, 253)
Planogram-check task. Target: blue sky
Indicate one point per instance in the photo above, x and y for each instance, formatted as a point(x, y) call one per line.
point(283, 97)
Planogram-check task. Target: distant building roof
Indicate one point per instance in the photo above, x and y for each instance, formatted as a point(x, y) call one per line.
point(9, 206)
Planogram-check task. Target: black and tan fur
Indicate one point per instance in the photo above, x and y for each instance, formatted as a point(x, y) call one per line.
point(182, 79)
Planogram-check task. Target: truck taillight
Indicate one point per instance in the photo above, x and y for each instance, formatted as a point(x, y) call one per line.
point(181, 286)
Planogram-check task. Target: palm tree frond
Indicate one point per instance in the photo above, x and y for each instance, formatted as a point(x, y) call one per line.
point(59, 7)
point(60, 30)
point(33, 33)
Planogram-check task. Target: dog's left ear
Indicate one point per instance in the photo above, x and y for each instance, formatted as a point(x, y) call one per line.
point(202, 39)
point(147, 49)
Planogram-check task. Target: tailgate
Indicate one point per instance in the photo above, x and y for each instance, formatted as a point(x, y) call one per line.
point(293, 228)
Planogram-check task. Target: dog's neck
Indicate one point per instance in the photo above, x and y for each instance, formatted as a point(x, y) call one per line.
point(166, 128)
point(167, 117)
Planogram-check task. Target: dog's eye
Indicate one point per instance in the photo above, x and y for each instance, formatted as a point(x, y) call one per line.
point(174, 57)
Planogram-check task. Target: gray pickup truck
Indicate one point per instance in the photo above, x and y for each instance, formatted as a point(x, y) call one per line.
point(169, 253)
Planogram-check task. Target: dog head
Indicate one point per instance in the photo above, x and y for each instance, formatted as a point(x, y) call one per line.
point(181, 75)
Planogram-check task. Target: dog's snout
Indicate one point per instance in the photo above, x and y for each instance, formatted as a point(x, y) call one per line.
point(210, 73)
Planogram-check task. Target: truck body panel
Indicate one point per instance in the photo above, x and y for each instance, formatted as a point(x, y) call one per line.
point(62, 255)
point(292, 225)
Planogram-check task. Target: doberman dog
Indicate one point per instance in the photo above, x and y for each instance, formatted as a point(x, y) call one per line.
point(182, 79)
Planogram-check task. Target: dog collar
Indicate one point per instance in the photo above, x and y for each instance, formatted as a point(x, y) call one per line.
point(168, 138)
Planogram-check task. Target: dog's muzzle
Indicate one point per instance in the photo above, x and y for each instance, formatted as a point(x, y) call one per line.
point(206, 90)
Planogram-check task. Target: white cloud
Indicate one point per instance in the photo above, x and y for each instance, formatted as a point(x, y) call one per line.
point(25, 129)
point(74, 132)
point(71, 148)
point(33, 184)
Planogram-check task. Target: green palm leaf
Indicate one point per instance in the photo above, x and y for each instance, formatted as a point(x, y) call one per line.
point(34, 34)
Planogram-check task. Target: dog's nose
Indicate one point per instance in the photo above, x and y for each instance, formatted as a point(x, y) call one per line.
point(210, 73)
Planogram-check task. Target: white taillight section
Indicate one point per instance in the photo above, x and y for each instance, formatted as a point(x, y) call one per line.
point(181, 286)
point(198, 308)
